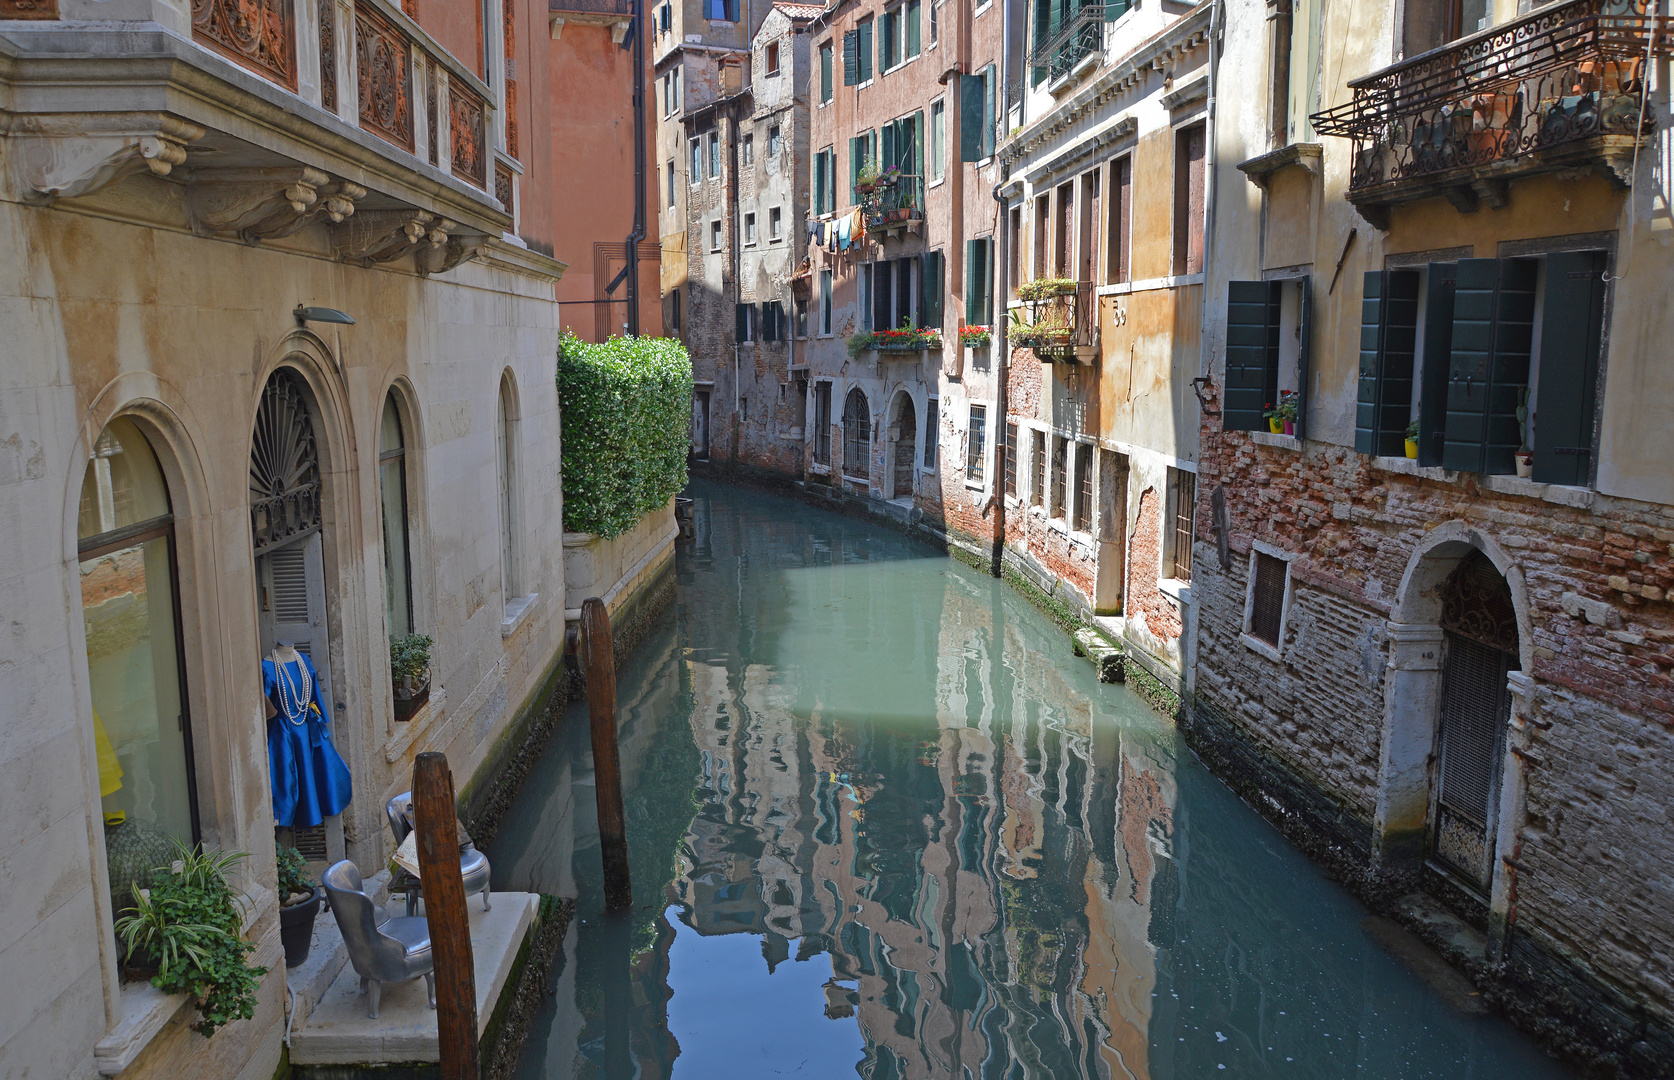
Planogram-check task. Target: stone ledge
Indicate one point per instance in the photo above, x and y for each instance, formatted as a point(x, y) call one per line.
point(146, 1010)
point(1500, 484)
point(1106, 658)
point(1283, 442)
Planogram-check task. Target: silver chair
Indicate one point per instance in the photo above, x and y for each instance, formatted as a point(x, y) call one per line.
point(395, 951)
point(473, 864)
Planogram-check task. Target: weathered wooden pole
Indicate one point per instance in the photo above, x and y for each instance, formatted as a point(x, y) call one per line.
point(607, 760)
point(437, 824)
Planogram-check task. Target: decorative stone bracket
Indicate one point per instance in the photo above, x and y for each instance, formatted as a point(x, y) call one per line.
point(62, 157)
point(262, 204)
point(378, 236)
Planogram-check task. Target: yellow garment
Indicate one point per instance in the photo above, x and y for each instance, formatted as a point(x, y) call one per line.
point(110, 769)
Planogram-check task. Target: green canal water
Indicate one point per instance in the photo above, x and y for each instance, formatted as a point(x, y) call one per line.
point(883, 822)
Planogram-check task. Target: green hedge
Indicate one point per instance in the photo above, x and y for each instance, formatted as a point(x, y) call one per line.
point(627, 411)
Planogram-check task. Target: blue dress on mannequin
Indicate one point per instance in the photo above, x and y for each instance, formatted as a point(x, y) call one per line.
point(310, 780)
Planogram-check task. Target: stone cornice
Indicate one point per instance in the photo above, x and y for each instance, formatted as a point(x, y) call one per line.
point(1179, 38)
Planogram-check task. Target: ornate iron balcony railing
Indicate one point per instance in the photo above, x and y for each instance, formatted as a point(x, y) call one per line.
point(1081, 35)
point(1562, 75)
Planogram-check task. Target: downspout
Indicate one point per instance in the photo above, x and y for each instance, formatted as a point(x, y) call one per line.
point(737, 264)
point(1211, 158)
point(998, 312)
point(638, 232)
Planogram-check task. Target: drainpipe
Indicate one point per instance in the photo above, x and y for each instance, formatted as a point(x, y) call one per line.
point(998, 307)
point(737, 264)
point(1210, 160)
point(638, 233)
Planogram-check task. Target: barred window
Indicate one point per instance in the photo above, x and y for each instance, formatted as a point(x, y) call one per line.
point(1184, 497)
point(857, 434)
point(1011, 459)
point(1084, 489)
point(1267, 597)
point(976, 444)
point(1037, 469)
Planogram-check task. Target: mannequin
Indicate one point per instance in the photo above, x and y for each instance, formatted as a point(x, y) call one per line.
point(310, 780)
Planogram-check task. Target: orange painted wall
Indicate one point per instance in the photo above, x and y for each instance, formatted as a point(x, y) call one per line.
point(455, 24)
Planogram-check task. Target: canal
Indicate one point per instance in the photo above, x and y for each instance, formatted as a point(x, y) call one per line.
point(883, 822)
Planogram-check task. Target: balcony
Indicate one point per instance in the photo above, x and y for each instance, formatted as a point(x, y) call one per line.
point(1058, 320)
point(1557, 89)
point(893, 203)
point(342, 113)
point(1059, 54)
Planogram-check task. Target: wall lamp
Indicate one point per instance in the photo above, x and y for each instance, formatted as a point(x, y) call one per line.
point(306, 315)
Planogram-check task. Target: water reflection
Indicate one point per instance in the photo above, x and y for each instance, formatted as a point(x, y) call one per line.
point(881, 822)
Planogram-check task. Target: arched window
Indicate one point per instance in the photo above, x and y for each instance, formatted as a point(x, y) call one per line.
point(392, 494)
point(505, 437)
point(129, 607)
point(857, 434)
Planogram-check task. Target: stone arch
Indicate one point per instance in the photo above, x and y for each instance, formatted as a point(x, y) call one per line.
point(1418, 600)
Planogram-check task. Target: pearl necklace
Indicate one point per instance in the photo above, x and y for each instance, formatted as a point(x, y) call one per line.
point(298, 715)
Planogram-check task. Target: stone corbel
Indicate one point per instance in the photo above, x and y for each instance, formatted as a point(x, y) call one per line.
point(375, 236)
point(619, 31)
point(440, 258)
point(69, 156)
point(262, 204)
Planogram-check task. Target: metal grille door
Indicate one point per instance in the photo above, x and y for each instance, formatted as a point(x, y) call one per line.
point(1475, 709)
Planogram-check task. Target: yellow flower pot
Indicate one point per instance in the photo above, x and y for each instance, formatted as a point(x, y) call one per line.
point(1275, 426)
point(1412, 449)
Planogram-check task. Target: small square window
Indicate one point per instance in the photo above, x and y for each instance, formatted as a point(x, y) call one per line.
point(749, 230)
point(774, 143)
point(773, 59)
point(1265, 605)
point(747, 150)
point(773, 224)
point(714, 236)
point(694, 173)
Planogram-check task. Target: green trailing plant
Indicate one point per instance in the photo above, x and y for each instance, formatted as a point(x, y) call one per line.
point(409, 657)
point(859, 342)
point(626, 412)
point(1289, 405)
point(868, 174)
point(1045, 288)
point(187, 928)
point(293, 874)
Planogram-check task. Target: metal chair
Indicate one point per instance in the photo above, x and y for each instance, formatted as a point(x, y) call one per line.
point(473, 864)
point(396, 951)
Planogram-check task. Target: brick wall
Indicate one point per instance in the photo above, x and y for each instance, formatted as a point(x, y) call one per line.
point(1146, 602)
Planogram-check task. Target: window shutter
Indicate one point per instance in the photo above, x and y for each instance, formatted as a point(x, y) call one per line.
point(741, 322)
point(1493, 320)
point(988, 111)
point(1438, 347)
point(970, 118)
point(851, 58)
point(1572, 326)
point(1388, 330)
point(825, 73)
point(1304, 351)
point(914, 45)
point(865, 31)
point(881, 297)
point(766, 322)
point(1252, 353)
point(916, 164)
point(932, 285)
point(1115, 9)
point(856, 159)
point(977, 296)
point(887, 158)
point(1043, 30)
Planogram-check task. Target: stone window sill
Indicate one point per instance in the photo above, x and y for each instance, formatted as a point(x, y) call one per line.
point(517, 611)
point(1282, 442)
point(1175, 589)
point(146, 1010)
point(1557, 494)
point(408, 731)
point(819, 470)
point(1255, 644)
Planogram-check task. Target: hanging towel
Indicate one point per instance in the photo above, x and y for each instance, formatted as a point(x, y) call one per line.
point(843, 226)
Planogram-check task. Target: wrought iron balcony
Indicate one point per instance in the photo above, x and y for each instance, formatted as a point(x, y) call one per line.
point(1061, 326)
point(1559, 88)
point(1076, 39)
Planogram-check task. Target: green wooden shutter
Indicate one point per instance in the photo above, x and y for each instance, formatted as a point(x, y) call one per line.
point(886, 159)
point(1043, 30)
point(1252, 354)
point(741, 322)
point(932, 284)
point(918, 150)
point(769, 329)
point(865, 31)
point(914, 41)
point(1493, 324)
point(825, 73)
point(1571, 332)
point(857, 157)
point(1304, 354)
point(851, 58)
point(988, 124)
point(1115, 9)
point(970, 118)
point(1388, 333)
point(1438, 348)
point(886, 40)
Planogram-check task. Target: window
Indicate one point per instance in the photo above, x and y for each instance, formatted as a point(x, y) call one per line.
point(1433, 23)
point(1120, 224)
point(771, 326)
point(714, 236)
point(825, 303)
point(1188, 200)
point(1501, 355)
point(1037, 469)
point(938, 139)
point(510, 580)
point(1014, 250)
point(775, 144)
point(801, 303)
point(1182, 497)
point(932, 431)
point(822, 423)
point(773, 59)
point(889, 39)
point(825, 181)
point(979, 283)
point(857, 55)
point(671, 183)
point(975, 444)
point(1264, 606)
point(862, 149)
point(976, 115)
point(864, 45)
point(749, 230)
point(720, 10)
point(747, 150)
point(825, 73)
point(903, 146)
point(1268, 342)
point(674, 310)
point(910, 31)
point(1083, 518)
point(773, 224)
point(1060, 472)
point(392, 499)
point(714, 155)
point(857, 434)
point(931, 283)
point(1042, 242)
point(1011, 459)
point(125, 543)
point(694, 174)
point(745, 322)
point(935, 21)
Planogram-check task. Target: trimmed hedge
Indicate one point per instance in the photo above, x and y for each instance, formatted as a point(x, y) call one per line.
point(626, 408)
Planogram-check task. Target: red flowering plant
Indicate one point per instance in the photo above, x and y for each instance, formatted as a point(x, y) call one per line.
point(976, 336)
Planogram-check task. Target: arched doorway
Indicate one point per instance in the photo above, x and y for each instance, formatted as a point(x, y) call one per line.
point(905, 435)
point(286, 496)
point(1479, 651)
point(857, 434)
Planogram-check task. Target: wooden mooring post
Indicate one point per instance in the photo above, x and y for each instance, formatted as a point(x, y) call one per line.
point(607, 759)
point(437, 823)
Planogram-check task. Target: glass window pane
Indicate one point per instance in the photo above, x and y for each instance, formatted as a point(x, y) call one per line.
point(133, 670)
point(392, 490)
point(389, 431)
point(123, 484)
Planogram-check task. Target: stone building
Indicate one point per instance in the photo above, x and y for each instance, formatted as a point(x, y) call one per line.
point(1434, 634)
point(200, 456)
point(1105, 207)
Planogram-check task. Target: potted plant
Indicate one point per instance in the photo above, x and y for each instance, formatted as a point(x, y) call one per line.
point(186, 933)
point(1525, 456)
point(1045, 288)
point(867, 178)
point(299, 903)
point(1275, 425)
point(1289, 404)
point(1412, 440)
point(409, 667)
point(976, 337)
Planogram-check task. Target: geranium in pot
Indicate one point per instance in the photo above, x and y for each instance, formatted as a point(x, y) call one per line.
point(1412, 440)
point(299, 903)
point(1288, 407)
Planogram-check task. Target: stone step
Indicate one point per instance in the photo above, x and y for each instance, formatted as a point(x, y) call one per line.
point(1107, 658)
